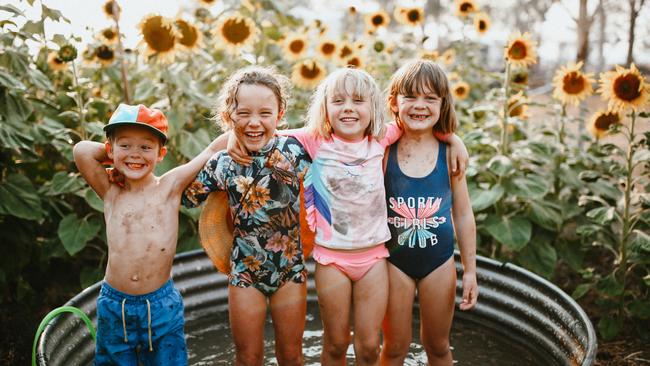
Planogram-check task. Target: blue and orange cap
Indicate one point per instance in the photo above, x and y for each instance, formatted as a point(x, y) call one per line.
point(139, 115)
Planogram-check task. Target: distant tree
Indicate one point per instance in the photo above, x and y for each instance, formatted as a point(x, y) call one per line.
point(635, 9)
point(584, 22)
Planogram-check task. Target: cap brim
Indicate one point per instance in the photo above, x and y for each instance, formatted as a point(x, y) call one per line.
point(216, 230)
point(111, 126)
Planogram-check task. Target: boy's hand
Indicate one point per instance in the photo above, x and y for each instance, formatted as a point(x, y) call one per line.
point(114, 176)
point(470, 291)
point(459, 157)
point(237, 151)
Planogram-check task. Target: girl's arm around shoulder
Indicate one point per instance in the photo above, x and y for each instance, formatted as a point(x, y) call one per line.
point(465, 228)
point(392, 134)
point(458, 153)
point(88, 156)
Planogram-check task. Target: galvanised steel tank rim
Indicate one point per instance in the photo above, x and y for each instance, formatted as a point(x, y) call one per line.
point(513, 302)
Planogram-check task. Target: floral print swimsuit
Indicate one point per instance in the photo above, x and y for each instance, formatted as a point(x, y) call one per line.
point(265, 203)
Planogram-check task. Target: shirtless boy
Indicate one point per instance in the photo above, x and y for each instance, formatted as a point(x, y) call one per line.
point(139, 312)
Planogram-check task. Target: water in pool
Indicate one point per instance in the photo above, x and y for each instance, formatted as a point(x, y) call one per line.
point(210, 343)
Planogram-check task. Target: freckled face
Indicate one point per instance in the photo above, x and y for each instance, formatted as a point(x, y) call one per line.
point(349, 115)
point(135, 152)
point(256, 116)
point(418, 112)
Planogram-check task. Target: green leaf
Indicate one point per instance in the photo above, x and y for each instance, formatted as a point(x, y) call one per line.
point(609, 327)
point(641, 242)
point(192, 144)
point(545, 215)
point(144, 90)
point(589, 175)
point(32, 27)
point(581, 290)
point(500, 165)
point(75, 233)
point(532, 186)
point(610, 286)
point(569, 176)
point(19, 198)
point(53, 14)
point(513, 232)
point(601, 215)
point(93, 200)
point(539, 256)
point(14, 108)
point(11, 9)
point(10, 82)
point(90, 275)
point(482, 199)
point(640, 308)
point(40, 80)
point(64, 182)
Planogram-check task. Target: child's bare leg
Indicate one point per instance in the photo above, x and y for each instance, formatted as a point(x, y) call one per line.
point(247, 312)
point(436, 294)
point(334, 299)
point(288, 311)
point(397, 325)
point(370, 297)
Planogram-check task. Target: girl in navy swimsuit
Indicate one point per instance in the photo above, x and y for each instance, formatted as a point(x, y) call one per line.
point(426, 205)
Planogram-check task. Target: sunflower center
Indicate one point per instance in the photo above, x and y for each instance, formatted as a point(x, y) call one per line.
point(520, 78)
point(235, 31)
point(327, 48)
point(460, 90)
point(516, 108)
point(296, 46)
point(605, 120)
point(466, 7)
point(354, 61)
point(157, 36)
point(109, 34)
point(377, 20)
point(573, 83)
point(308, 72)
point(413, 15)
point(345, 51)
point(626, 87)
point(482, 25)
point(189, 34)
point(104, 53)
point(517, 51)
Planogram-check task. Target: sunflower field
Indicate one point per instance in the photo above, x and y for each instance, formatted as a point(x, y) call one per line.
point(559, 187)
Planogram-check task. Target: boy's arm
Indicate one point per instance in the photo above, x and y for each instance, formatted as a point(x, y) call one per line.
point(88, 156)
point(185, 174)
point(465, 228)
point(458, 152)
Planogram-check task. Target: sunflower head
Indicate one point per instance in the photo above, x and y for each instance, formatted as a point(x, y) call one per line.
point(105, 54)
point(465, 7)
point(327, 48)
point(208, 2)
point(481, 23)
point(354, 61)
point(67, 53)
point(54, 62)
point(295, 46)
point(520, 51)
point(624, 88)
point(460, 90)
point(519, 77)
point(571, 85)
point(108, 35)
point(307, 74)
point(112, 9)
point(378, 46)
point(345, 50)
point(190, 36)
point(601, 121)
point(88, 55)
point(377, 20)
point(432, 55)
point(518, 105)
point(159, 37)
point(236, 32)
point(449, 56)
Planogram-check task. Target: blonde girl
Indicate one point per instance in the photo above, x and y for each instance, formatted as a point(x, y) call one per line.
point(426, 207)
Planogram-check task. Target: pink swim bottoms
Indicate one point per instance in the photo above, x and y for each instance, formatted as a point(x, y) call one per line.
point(355, 264)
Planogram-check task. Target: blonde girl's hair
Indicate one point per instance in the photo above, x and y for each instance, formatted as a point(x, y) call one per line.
point(421, 77)
point(346, 81)
point(251, 75)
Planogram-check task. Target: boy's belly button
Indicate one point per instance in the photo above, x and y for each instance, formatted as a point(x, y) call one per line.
point(135, 278)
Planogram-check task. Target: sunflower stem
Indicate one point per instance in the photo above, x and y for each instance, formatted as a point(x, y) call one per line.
point(562, 123)
point(627, 228)
point(504, 128)
point(79, 99)
point(120, 52)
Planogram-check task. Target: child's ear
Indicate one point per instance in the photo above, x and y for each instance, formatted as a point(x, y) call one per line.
point(225, 117)
point(392, 101)
point(162, 153)
point(109, 149)
point(280, 114)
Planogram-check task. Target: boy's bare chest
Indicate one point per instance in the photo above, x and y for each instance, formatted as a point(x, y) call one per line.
point(131, 214)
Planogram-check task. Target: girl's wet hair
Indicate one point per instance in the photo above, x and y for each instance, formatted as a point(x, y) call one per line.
point(421, 77)
point(251, 75)
point(346, 81)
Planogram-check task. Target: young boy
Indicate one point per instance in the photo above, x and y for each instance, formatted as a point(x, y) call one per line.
point(139, 312)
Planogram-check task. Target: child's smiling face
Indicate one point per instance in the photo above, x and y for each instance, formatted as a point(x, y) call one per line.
point(418, 112)
point(348, 114)
point(135, 152)
point(256, 115)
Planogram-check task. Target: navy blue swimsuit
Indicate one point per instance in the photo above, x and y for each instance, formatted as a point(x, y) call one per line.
point(419, 217)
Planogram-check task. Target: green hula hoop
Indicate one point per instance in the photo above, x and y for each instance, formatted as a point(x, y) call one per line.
point(53, 314)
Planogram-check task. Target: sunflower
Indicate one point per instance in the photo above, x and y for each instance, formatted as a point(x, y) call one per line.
point(625, 88)
point(520, 51)
point(236, 31)
point(465, 7)
point(432, 55)
point(354, 61)
point(517, 105)
point(571, 85)
point(55, 63)
point(207, 2)
point(378, 46)
point(326, 48)
point(107, 35)
point(190, 36)
point(344, 51)
point(307, 74)
point(460, 90)
point(295, 46)
point(600, 122)
point(481, 23)
point(88, 55)
point(105, 54)
point(377, 20)
point(449, 56)
point(109, 8)
point(519, 77)
point(409, 16)
point(159, 37)
point(67, 53)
